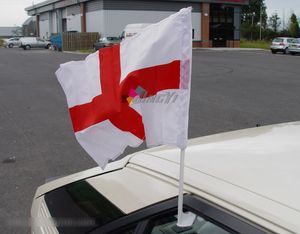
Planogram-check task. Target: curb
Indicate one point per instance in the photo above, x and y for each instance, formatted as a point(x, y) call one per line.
point(231, 49)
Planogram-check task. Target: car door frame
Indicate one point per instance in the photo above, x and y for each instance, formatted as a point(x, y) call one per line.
point(40, 43)
point(215, 214)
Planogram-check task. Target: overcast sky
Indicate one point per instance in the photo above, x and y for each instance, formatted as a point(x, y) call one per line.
point(12, 11)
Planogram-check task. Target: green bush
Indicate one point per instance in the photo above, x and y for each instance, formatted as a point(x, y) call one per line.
point(1, 42)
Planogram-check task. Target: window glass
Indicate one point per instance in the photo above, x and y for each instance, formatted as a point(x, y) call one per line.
point(289, 40)
point(168, 225)
point(127, 230)
point(278, 40)
point(82, 206)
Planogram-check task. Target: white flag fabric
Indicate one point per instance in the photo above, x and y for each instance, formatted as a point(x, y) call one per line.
point(138, 90)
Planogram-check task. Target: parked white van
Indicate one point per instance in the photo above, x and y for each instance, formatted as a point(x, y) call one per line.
point(133, 29)
point(245, 181)
point(34, 42)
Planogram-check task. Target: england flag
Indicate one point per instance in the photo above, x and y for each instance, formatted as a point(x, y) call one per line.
point(138, 90)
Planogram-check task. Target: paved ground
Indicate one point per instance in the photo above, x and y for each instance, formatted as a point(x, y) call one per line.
point(230, 90)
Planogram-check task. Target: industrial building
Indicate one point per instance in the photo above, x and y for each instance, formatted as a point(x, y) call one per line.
point(216, 23)
point(7, 32)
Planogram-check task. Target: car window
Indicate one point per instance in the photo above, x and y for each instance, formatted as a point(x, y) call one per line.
point(278, 40)
point(167, 224)
point(80, 202)
point(289, 40)
point(40, 40)
point(126, 230)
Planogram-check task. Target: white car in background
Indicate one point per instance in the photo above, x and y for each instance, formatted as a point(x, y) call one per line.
point(132, 29)
point(34, 42)
point(281, 44)
point(294, 47)
point(244, 181)
point(12, 42)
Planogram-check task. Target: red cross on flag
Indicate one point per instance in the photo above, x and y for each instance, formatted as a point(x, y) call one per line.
point(138, 90)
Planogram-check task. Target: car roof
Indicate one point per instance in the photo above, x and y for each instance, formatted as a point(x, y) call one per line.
point(283, 38)
point(256, 170)
point(131, 190)
point(252, 172)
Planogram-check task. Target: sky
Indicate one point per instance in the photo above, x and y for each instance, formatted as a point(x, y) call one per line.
point(284, 8)
point(12, 12)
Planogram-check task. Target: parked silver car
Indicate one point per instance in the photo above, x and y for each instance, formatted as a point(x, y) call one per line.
point(106, 42)
point(294, 47)
point(11, 42)
point(34, 42)
point(281, 44)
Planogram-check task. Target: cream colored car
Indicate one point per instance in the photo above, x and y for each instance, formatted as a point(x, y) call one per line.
point(238, 182)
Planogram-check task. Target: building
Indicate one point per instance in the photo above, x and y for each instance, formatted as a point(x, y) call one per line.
point(29, 27)
point(216, 23)
point(7, 32)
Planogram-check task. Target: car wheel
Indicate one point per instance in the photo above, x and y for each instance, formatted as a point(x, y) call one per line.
point(27, 47)
point(10, 45)
point(292, 53)
point(286, 51)
point(48, 46)
point(273, 51)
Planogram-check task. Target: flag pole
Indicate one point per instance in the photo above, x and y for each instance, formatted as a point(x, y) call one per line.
point(180, 222)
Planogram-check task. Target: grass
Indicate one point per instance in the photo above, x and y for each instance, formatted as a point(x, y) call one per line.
point(1, 42)
point(256, 44)
point(86, 51)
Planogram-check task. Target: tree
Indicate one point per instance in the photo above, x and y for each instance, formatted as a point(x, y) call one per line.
point(274, 22)
point(257, 7)
point(294, 30)
point(251, 19)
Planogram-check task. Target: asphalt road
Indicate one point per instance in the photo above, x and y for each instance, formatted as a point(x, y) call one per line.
point(230, 90)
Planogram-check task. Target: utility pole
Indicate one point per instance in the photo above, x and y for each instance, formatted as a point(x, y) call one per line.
point(283, 20)
point(260, 22)
point(253, 14)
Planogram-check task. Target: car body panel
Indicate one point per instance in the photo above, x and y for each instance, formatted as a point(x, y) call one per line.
point(225, 166)
point(80, 176)
point(135, 195)
point(34, 42)
point(281, 44)
point(294, 47)
point(132, 29)
point(14, 41)
point(106, 42)
point(41, 221)
point(253, 173)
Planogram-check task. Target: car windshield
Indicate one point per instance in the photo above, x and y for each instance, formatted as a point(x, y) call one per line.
point(82, 206)
point(113, 38)
point(278, 40)
point(200, 225)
